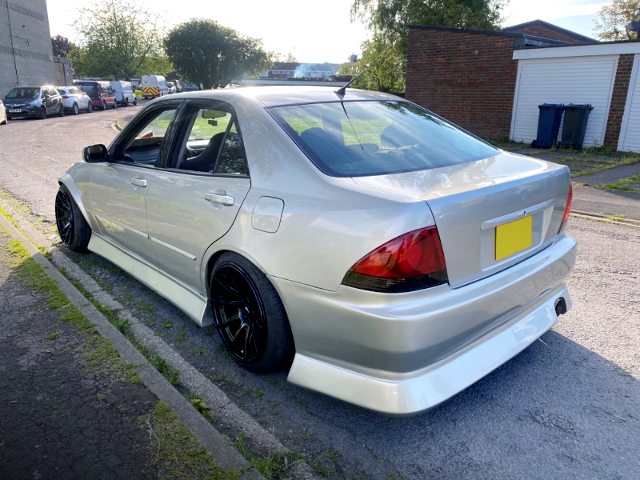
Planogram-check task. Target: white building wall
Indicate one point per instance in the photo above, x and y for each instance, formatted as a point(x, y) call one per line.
point(578, 80)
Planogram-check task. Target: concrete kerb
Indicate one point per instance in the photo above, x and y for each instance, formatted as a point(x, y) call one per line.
point(215, 443)
point(227, 412)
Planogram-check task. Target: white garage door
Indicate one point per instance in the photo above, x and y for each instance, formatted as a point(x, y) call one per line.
point(581, 80)
point(630, 131)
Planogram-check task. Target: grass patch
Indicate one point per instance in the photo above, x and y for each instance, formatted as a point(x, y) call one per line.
point(616, 218)
point(103, 359)
point(219, 379)
point(606, 164)
point(629, 184)
point(181, 336)
point(274, 466)
point(165, 369)
point(321, 469)
point(506, 144)
point(166, 324)
point(201, 406)
point(54, 335)
point(175, 451)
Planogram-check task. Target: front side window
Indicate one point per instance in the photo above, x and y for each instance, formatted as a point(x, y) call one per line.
point(146, 145)
point(212, 144)
point(364, 138)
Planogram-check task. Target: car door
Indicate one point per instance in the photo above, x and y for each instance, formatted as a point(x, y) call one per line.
point(47, 100)
point(119, 187)
point(195, 200)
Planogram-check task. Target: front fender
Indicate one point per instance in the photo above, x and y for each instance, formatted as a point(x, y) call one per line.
point(74, 184)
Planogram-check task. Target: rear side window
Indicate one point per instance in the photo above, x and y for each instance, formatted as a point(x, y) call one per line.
point(363, 138)
point(62, 91)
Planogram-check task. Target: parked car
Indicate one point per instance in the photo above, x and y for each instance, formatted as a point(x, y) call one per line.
point(153, 86)
point(189, 87)
point(3, 114)
point(396, 258)
point(172, 87)
point(100, 93)
point(75, 100)
point(33, 101)
point(178, 86)
point(124, 93)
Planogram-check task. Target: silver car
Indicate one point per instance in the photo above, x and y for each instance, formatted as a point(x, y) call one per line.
point(390, 257)
point(3, 114)
point(75, 100)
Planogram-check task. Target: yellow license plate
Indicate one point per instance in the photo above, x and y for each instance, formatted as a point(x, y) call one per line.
point(513, 237)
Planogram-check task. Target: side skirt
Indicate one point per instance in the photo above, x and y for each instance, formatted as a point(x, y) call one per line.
point(194, 305)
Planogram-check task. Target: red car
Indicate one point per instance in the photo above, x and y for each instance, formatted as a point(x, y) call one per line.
point(100, 93)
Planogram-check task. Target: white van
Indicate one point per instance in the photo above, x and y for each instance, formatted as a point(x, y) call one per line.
point(153, 86)
point(124, 93)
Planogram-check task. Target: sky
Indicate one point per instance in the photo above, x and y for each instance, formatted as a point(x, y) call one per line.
point(317, 32)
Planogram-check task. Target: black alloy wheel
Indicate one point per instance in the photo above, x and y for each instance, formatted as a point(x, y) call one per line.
point(249, 315)
point(61, 112)
point(73, 229)
point(239, 314)
point(64, 217)
point(75, 109)
point(89, 107)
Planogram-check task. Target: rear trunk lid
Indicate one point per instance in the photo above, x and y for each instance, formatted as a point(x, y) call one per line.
point(471, 201)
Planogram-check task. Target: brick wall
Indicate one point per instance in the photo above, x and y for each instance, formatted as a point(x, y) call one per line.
point(618, 99)
point(468, 78)
point(540, 31)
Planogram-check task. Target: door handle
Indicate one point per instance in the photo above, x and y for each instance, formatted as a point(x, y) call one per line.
point(139, 182)
point(219, 198)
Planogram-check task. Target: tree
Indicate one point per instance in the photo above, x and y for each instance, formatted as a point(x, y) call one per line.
point(119, 40)
point(388, 20)
point(615, 18)
point(289, 58)
point(381, 67)
point(210, 55)
point(61, 46)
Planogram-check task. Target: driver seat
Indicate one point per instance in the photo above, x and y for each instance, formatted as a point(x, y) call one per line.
point(205, 162)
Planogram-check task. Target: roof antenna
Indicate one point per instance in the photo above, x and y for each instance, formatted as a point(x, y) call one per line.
point(342, 90)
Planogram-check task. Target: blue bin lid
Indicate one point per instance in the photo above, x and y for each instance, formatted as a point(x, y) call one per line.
point(550, 105)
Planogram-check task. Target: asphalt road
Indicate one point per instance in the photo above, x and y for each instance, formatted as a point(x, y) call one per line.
point(567, 407)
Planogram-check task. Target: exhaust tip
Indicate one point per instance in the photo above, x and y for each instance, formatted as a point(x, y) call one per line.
point(561, 306)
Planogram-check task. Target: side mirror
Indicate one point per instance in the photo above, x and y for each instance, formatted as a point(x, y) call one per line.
point(95, 154)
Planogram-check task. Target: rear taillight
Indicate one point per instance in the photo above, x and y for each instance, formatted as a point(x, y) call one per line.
point(410, 262)
point(65, 96)
point(99, 92)
point(567, 209)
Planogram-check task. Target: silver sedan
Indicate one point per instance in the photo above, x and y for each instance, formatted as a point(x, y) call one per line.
point(389, 257)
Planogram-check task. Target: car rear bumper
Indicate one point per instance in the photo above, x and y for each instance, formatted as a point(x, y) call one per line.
point(404, 353)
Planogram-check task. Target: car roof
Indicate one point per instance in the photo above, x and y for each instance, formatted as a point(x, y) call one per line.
point(285, 95)
point(34, 86)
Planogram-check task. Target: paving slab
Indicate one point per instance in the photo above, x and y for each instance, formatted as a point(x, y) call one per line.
point(606, 202)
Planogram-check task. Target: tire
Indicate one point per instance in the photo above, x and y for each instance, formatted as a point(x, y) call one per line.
point(103, 105)
point(135, 101)
point(75, 110)
point(73, 229)
point(43, 113)
point(246, 305)
point(115, 104)
point(89, 107)
point(61, 112)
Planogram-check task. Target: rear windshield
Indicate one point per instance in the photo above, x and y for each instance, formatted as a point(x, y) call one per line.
point(88, 88)
point(354, 139)
point(24, 93)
